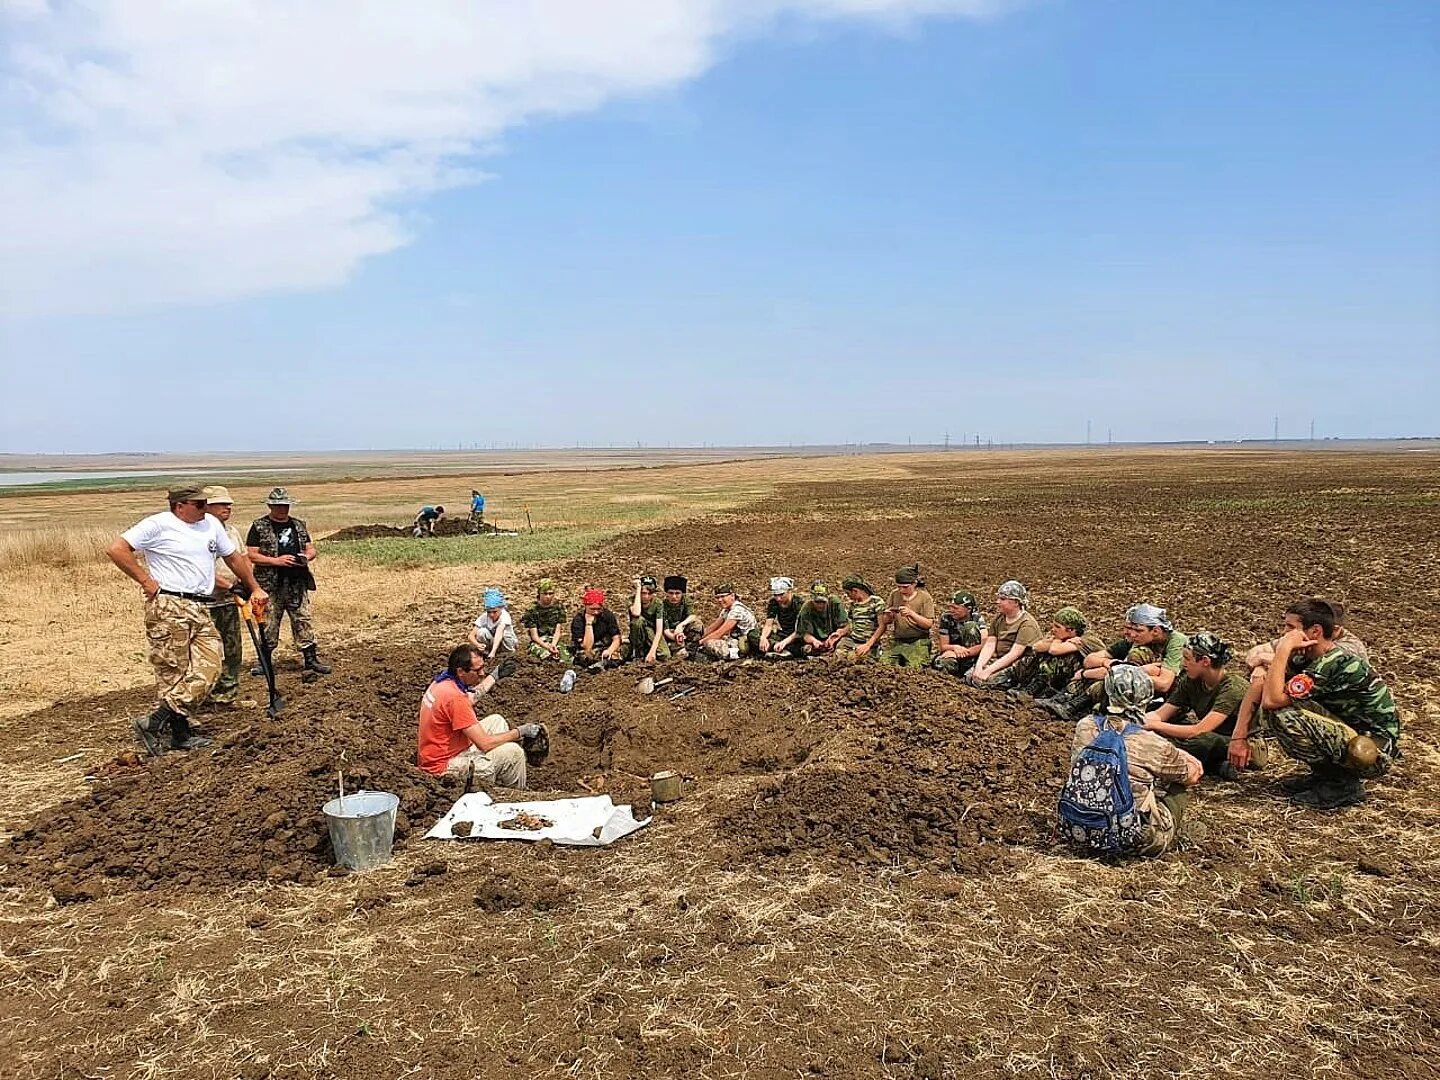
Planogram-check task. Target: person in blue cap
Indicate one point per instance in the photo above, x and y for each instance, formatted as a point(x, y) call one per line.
point(494, 633)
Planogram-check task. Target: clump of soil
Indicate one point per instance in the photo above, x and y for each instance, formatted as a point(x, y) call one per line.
point(368, 532)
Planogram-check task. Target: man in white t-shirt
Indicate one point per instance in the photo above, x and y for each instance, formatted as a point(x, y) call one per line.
point(178, 579)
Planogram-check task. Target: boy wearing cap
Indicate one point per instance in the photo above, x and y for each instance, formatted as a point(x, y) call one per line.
point(681, 626)
point(595, 632)
point(961, 636)
point(1005, 659)
point(1211, 695)
point(178, 580)
point(865, 611)
point(1060, 653)
point(910, 614)
point(647, 623)
point(494, 630)
point(224, 612)
point(1161, 774)
point(734, 632)
point(281, 549)
point(822, 623)
point(542, 622)
point(778, 637)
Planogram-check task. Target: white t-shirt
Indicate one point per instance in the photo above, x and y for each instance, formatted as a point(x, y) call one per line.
point(486, 628)
point(181, 557)
point(745, 620)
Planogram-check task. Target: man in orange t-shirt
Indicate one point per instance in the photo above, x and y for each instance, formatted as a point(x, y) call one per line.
point(452, 742)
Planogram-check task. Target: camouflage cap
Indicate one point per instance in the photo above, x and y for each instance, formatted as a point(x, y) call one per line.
point(544, 585)
point(186, 492)
point(1128, 689)
point(724, 590)
point(647, 581)
point(1070, 617)
point(1208, 646)
point(279, 497)
point(820, 591)
point(1013, 590)
point(855, 581)
point(964, 599)
point(218, 495)
point(907, 575)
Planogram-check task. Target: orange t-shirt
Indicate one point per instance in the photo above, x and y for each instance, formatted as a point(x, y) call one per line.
point(445, 711)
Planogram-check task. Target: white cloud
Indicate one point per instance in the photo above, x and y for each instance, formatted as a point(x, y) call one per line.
point(168, 153)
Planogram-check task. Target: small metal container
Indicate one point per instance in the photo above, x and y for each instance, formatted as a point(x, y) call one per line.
point(666, 786)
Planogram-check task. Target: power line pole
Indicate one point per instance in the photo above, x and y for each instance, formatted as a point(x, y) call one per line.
point(1087, 432)
point(1276, 437)
point(1312, 429)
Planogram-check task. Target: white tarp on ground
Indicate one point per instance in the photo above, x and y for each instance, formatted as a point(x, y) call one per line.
point(590, 822)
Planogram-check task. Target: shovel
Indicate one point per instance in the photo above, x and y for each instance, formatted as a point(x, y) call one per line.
point(263, 651)
point(648, 685)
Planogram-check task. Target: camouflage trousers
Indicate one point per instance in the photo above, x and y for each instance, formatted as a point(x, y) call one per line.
point(226, 618)
point(293, 600)
point(184, 650)
point(1163, 824)
point(912, 654)
point(539, 652)
point(732, 648)
point(953, 665)
point(1011, 677)
point(846, 647)
point(639, 647)
point(1053, 672)
point(1140, 656)
point(1310, 734)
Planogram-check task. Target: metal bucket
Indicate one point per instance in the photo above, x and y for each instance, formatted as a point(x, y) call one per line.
point(364, 832)
point(666, 786)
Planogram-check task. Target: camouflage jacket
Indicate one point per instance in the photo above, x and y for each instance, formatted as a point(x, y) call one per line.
point(1348, 689)
point(274, 538)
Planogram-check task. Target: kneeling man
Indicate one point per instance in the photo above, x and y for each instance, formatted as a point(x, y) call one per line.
point(453, 742)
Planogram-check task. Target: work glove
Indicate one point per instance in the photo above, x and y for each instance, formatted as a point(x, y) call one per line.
point(529, 731)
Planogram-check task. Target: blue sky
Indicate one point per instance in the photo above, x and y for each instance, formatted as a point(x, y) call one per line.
point(1173, 220)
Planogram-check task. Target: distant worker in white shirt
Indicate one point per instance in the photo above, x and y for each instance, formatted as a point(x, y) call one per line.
point(178, 579)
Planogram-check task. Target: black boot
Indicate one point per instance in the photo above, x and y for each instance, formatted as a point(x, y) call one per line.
point(150, 731)
point(182, 738)
point(1303, 782)
point(1072, 703)
point(1331, 793)
point(257, 668)
point(313, 662)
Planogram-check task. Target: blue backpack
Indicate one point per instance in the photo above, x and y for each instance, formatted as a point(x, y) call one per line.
point(1097, 805)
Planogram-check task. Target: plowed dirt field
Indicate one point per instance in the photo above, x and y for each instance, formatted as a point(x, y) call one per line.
point(862, 879)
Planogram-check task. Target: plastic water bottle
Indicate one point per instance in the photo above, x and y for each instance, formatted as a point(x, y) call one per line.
point(567, 681)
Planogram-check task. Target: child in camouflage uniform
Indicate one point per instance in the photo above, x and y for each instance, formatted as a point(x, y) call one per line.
point(543, 621)
point(1060, 653)
point(681, 626)
point(865, 611)
point(962, 635)
point(1327, 708)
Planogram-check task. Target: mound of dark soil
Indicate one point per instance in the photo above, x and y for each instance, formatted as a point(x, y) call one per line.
point(368, 532)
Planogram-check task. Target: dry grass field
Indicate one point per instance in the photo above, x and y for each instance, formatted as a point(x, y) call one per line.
point(862, 881)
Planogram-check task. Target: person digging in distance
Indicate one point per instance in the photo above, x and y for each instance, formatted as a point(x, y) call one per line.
point(865, 611)
point(647, 623)
point(595, 632)
point(681, 629)
point(178, 579)
point(778, 637)
point(451, 741)
point(1326, 708)
point(734, 632)
point(1211, 695)
point(961, 636)
point(543, 621)
point(281, 549)
point(1005, 659)
point(426, 520)
point(909, 615)
point(823, 622)
point(224, 612)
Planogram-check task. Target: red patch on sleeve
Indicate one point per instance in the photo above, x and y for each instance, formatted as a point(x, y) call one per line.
point(1300, 685)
